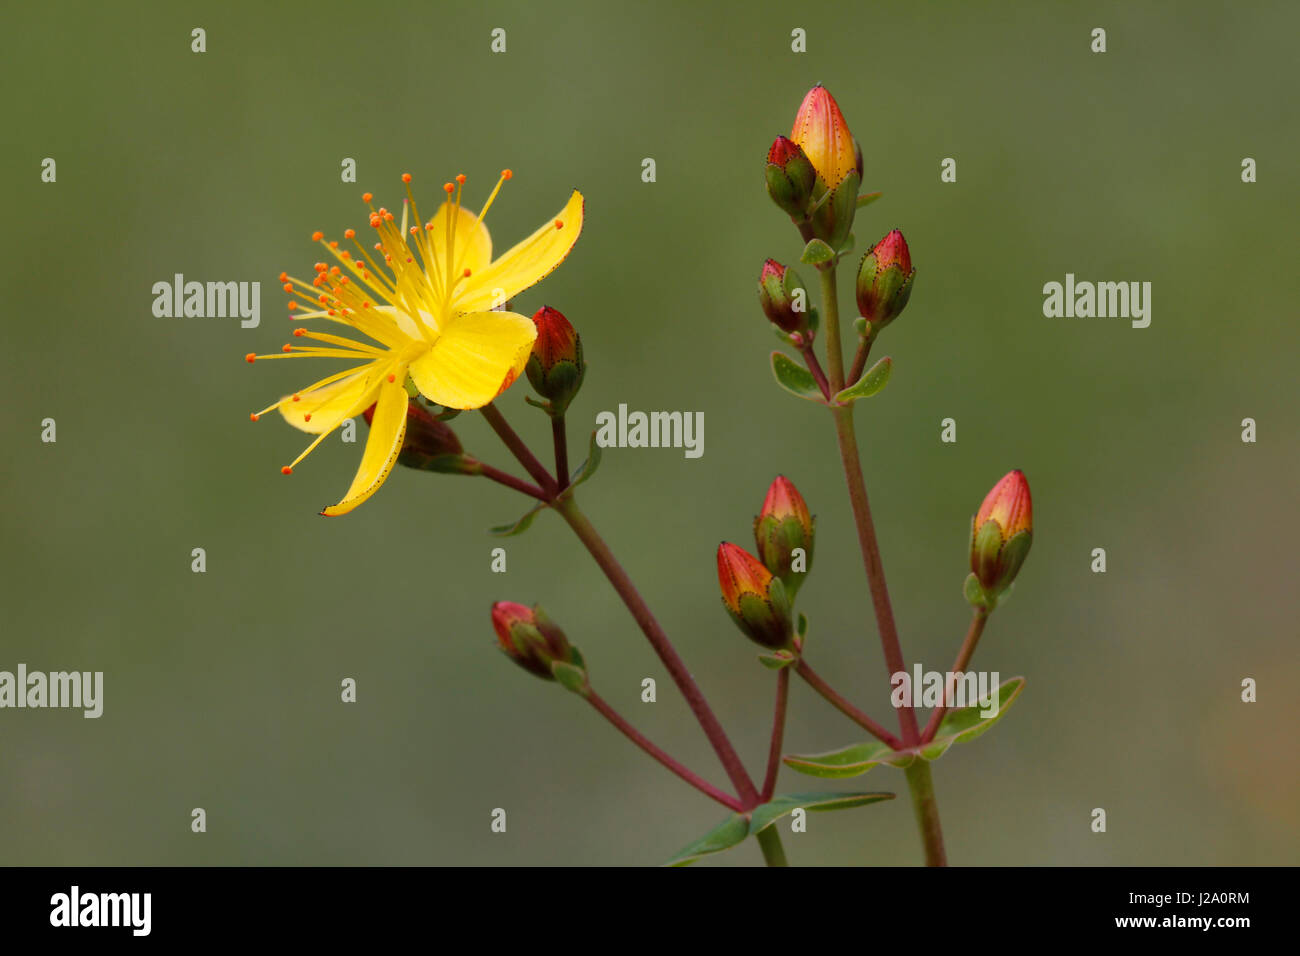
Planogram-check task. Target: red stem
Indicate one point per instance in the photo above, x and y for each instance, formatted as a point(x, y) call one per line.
point(634, 735)
point(778, 733)
point(618, 577)
point(518, 448)
point(967, 651)
point(841, 704)
point(815, 367)
point(561, 451)
point(510, 481)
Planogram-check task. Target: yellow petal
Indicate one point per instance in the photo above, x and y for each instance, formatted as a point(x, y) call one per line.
point(330, 404)
point(526, 264)
point(475, 358)
point(473, 245)
point(387, 430)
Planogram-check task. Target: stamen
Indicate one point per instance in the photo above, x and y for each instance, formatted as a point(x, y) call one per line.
point(286, 470)
point(317, 236)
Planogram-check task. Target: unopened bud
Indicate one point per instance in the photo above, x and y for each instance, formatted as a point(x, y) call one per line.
point(530, 639)
point(429, 445)
point(783, 532)
point(556, 367)
point(755, 599)
point(885, 280)
point(1001, 533)
point(783, 298)
point(790, 177)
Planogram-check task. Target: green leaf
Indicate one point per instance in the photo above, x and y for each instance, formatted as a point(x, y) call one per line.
point(872, 381)
point(849, 761)
point(768, 813)
point(816, 252)
point(724, 836)
point(958, 726)
point(966, 723)
point(795, 379)
point(588, 467)
point(518, 527)
point(866, 199)
point(736, 827)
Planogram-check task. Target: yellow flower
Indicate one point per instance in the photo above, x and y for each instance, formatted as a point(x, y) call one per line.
point(430, 310)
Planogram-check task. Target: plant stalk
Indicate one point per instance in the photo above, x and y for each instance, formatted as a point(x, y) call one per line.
point(921, 786)
point(770, 843)
point(778, 734)
point(977, 622)
point(618, 577)
point(840, 703)
point(634, 735)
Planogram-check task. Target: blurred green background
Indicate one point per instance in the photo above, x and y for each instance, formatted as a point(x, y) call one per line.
point(222, 689)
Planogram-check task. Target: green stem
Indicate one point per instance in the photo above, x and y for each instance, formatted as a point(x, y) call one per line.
point(587, 534)
point(921, 786)
point(634, 735)
point(831, 313)
point(770, 842)
point(977, 621)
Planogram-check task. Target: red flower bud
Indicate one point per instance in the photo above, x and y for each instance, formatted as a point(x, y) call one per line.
point(755, 599)
point(556, 367)
point(790, 177)
point(885, 280)
point(1001, 533)
point(530, 639)
point(783, 298)
point(429, 445)
point(783, 532)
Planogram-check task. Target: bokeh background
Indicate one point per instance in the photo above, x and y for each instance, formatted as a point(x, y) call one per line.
point(222, 689)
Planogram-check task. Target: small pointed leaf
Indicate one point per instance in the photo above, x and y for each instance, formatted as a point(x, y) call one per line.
point(795, 379)
point(816, 252)
point(872, 381)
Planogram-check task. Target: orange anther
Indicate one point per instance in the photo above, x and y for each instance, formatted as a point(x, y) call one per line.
point(392, 377)
point(287, 348)
point(349, 234)
point(366, 197)
point(388, 217)
point(250, 358)
point(297, 398)
point(252, 416)
point(506, 174)
point(333, 244)
point(284, 277)
point(320, 267)
point(286, 470)
point(299, 333)
point(448, 188)
point(307, 417)
point(428, 227)
point(292, 306)
point(374, 220)
point(559, 224)
point(461, 179)
point(467, 273)
point(415, 230)
point(336, 271)
point(406, 177)
point(317, 236)
point(288, 287)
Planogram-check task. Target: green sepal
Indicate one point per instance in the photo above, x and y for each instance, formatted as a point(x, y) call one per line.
point(872, 381)
point(975, 594)
point(866, 199)
point(518, 527)
point(847, 245)
point(571, 677)
point(734, 829)
point(833, 219)
point(795, 379)
point(778, 659)
point(1013, 556)
point(816, 252)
